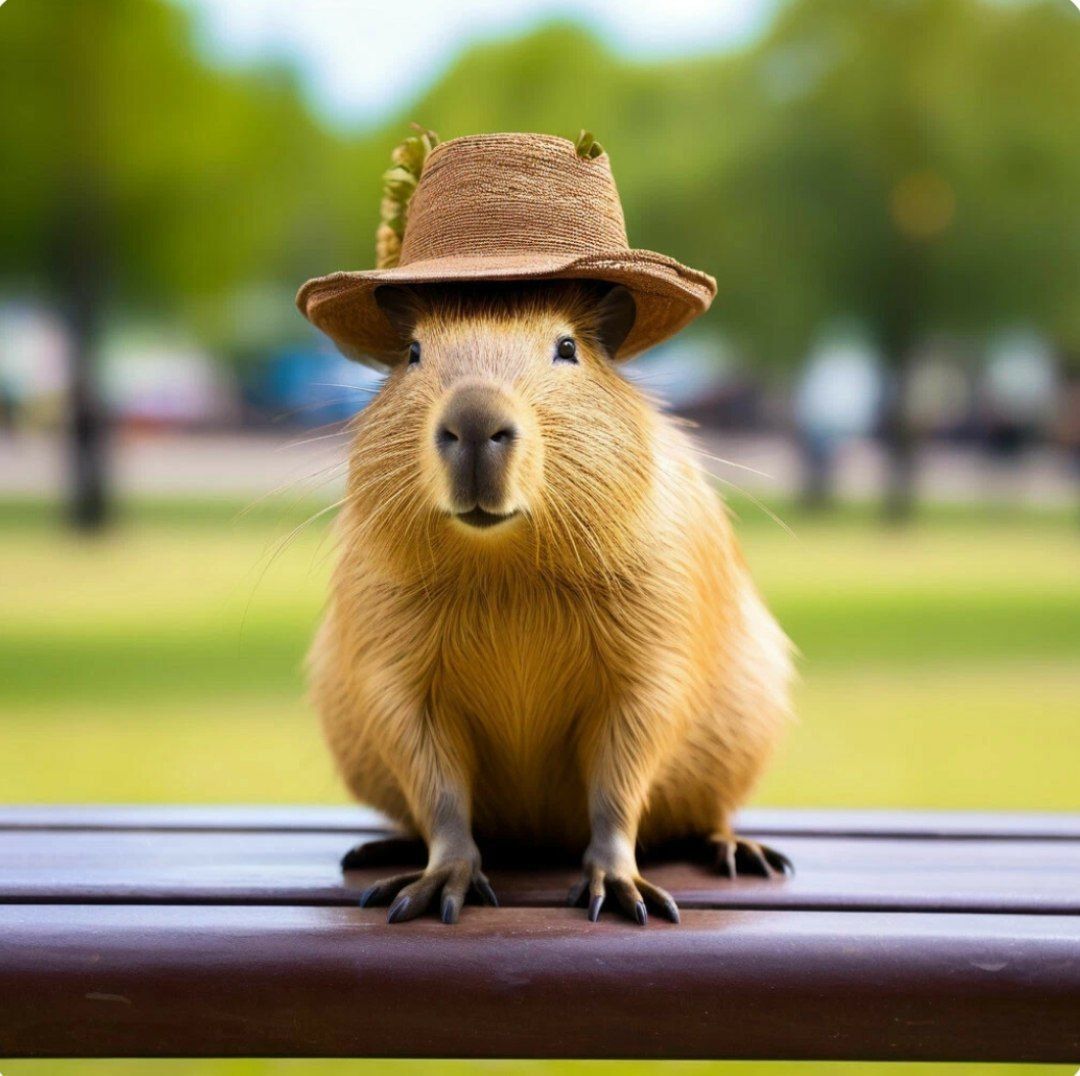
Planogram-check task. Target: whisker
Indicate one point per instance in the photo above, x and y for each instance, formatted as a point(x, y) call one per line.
point(272, 557)
point(342, 432)
point(338, 466)
point(732, 463)
point(299, 409)
point(759, 504)
point(366, 389)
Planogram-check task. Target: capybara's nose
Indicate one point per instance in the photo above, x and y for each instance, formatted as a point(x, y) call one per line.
point(475, 438)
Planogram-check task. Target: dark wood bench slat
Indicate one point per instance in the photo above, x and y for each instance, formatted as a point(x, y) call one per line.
point(219, 981)
point(764, 821)
point(296, 867)
point(234, 933)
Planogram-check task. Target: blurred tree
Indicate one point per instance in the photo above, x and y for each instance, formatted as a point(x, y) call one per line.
point(139, 178)
point(912, 163)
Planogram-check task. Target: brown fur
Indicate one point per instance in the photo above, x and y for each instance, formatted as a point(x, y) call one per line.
point(600, 669)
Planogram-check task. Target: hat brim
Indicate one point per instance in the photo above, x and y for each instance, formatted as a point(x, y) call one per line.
point(668, 295)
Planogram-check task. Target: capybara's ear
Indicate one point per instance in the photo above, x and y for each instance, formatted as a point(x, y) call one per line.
point(615, 316)
point(399, 306)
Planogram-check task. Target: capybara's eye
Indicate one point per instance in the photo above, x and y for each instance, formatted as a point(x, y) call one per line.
point(566, 349)
point(414, 353)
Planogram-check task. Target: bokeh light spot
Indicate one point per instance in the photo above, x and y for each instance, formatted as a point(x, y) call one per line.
point(922, 205)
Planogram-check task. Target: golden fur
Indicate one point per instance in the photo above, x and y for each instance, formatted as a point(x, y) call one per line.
point(602, 661)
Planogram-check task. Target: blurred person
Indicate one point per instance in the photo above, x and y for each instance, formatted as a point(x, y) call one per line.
point(837, 398)
point(939, 392)
point(33, 364)
point(1019, 394)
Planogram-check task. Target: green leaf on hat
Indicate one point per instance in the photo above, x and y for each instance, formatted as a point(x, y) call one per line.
point(399, 184)
point(587, 147)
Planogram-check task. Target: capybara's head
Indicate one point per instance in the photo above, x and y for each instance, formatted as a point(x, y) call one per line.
point(505, 429)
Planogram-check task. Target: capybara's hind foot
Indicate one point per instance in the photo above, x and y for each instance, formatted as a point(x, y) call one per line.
point(386, 852)
point(735, 856)
point(445, 887)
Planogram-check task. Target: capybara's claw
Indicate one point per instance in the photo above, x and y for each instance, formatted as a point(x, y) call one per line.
point(633, 895)
point(739, 856)
point(444, 887)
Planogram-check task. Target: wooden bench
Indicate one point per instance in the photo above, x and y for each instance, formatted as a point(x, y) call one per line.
point(231, 932)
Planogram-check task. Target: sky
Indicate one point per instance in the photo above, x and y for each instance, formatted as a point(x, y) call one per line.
point(361, 60)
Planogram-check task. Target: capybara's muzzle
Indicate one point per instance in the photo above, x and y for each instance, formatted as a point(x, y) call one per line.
point(475, 437)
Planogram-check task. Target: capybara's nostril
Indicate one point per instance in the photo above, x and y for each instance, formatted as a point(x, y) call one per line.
point(445, 439)
point(505, 435)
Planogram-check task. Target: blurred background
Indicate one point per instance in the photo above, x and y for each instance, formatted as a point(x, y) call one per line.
point(887, 387)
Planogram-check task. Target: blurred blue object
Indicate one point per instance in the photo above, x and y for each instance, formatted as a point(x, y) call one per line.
point(308, 386)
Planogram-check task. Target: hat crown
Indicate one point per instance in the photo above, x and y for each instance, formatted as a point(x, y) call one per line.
point(504, 194)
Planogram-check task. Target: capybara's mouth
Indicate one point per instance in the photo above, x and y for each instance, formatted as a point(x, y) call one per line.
point(478, 517)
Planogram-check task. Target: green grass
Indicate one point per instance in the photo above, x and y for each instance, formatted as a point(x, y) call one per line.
point(161, 662)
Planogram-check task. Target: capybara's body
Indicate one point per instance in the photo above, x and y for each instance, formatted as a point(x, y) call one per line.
point(588, 663)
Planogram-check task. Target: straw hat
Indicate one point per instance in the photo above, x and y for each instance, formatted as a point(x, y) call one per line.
point(502, 207)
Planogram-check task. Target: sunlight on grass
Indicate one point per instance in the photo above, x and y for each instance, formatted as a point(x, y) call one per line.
point(966, 735)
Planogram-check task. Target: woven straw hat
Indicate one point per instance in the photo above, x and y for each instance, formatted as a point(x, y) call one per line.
point(509, 207)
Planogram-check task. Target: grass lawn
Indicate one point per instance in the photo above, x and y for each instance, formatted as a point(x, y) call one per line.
point(941, 668)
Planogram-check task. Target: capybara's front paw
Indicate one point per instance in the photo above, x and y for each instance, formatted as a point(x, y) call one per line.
point(738, 856)
point(443, 887)
point(632, 893)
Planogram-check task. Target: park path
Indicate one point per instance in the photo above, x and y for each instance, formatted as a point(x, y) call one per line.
point(164, 464)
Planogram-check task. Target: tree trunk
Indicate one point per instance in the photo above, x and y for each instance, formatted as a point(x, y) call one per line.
point(898, 331)
point(79, 275)
point(88, 503)
point(81, 257)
